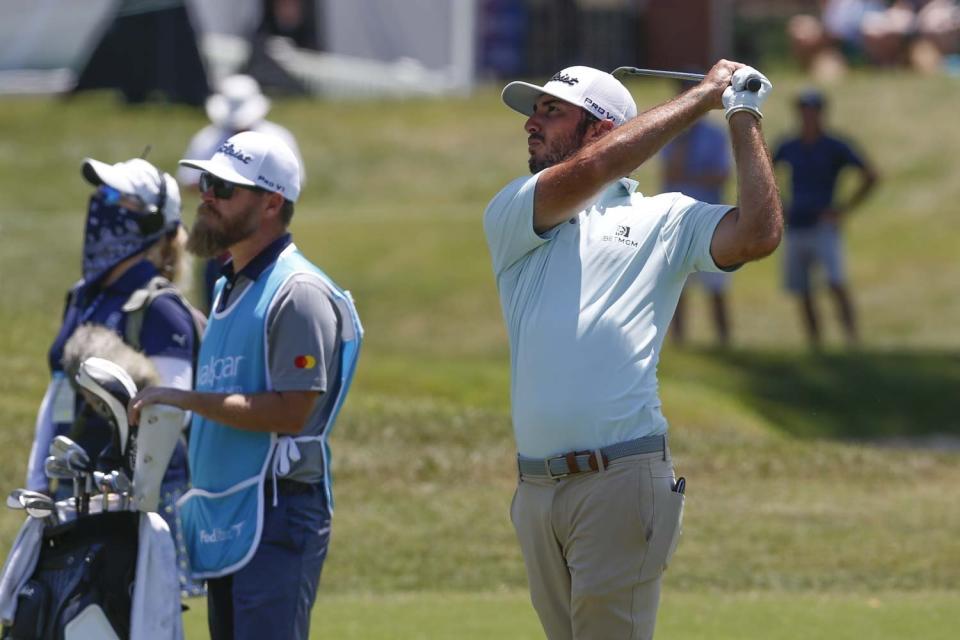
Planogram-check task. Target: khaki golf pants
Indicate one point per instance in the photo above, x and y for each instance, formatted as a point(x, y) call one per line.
point(595, 546)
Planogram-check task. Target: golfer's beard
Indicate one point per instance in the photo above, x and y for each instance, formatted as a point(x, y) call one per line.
point(559, 151)
point(208, 241)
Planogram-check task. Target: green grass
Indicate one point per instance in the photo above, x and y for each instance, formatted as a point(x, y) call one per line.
point(689, 615)
point(802, 520)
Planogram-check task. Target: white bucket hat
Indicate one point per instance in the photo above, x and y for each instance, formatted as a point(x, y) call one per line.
point(254, 159)
point(239, 105)
point(597, 92)
point(139, 178)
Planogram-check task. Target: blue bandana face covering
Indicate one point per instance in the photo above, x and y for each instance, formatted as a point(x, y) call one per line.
point(110, 237)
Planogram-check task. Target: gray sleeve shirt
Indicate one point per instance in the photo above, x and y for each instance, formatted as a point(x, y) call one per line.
point(303, 351)
point(302, 336)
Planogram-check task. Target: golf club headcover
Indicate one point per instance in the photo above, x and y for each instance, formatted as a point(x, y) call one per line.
point(737, 97)
point(157, 436)
point(109, 389)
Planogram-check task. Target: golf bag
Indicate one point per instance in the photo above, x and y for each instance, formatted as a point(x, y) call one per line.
point(83, 581)
point(99, 567)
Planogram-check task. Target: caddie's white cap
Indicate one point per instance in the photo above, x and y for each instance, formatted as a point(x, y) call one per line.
point(139, 178)
point(598, 92)
point(254, 159)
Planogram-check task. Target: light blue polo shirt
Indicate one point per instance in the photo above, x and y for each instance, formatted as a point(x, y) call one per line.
point(587, 306)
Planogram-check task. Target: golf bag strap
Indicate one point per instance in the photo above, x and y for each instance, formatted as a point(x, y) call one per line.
point(140, 300)
point(71, 297)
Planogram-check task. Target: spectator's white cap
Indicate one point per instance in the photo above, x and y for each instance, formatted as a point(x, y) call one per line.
point(256, 160)
point(239, 105)
point(139, 178)
point(598, 92)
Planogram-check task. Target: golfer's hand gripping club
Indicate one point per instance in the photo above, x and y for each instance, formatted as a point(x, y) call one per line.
point(747, 91)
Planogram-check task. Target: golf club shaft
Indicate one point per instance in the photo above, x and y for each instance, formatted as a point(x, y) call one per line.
point(752, 85)
point(658, 73)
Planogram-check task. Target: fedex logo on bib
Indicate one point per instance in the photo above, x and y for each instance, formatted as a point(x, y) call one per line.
point(217, 373)
point(217, 535)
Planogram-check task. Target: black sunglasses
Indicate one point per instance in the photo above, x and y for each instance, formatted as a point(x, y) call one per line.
point(223, 189)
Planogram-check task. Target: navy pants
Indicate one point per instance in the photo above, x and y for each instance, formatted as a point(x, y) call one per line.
point(271, 597)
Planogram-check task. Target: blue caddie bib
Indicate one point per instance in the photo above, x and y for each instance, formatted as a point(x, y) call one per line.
point(223, 513)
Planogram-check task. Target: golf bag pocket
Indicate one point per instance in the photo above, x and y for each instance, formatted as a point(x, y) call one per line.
point(91, 622)
point(31, 619)
point(665, 534)
point(222, 530)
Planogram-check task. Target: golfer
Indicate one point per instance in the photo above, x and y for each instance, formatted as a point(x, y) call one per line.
point(589, 272)
point(275, 365)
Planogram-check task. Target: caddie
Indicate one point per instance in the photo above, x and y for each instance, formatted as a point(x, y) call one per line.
point(275, 365)
point(133, 257)
point(589, 272)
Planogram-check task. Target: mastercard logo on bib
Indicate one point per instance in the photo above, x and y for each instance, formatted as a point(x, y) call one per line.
point(304, 362)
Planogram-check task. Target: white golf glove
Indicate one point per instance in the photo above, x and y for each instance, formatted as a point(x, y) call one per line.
point(737, 97)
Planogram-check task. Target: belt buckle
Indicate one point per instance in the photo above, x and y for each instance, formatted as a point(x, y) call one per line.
point(550, 473)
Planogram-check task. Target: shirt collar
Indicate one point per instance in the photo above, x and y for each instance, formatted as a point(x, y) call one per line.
point(627, 184)
point(259, 264)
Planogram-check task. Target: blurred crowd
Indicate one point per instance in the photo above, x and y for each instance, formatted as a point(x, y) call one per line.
point(918, 34)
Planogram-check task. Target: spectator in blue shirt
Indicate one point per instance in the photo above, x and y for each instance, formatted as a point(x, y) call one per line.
point(697, 164)
point(814, 217)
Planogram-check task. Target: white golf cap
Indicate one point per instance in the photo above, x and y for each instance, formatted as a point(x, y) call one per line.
point(598, 92)
point(139, 178)
point(256, 160)
point(239, 105)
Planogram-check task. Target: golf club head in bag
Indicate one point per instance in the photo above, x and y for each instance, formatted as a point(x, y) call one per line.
point(18, 498)
point(71, 455)
point(108, 389)
point(37, 505)
point(157, 437)
point(57, 469)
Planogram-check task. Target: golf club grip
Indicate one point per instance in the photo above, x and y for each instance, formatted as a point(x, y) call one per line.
point(754, 84)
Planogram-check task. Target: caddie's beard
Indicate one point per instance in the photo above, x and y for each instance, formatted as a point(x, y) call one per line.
point(213, 233)
point(557, 151)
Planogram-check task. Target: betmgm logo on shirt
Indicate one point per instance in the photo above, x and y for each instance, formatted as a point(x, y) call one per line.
point(620, 236)
point(219, 373)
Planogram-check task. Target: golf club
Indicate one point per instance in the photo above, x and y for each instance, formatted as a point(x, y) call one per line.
point(71, 453)
point(121, 484)
point(36, 504)
point(56, 469)
point(112, 483)
point(753, 84)
point(73, 456)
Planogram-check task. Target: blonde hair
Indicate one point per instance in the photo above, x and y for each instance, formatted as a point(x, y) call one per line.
point(169, 255)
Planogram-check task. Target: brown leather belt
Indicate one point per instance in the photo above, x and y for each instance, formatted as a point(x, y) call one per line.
point(574, 462)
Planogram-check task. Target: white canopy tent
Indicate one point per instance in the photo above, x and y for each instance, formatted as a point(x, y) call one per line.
point(373, 47)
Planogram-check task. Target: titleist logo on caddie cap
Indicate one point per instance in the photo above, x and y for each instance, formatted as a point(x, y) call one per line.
point(253, 158)
point(228, 149)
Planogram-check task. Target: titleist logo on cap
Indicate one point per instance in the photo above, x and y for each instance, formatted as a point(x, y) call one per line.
point(564, 78)
point(228, 149)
